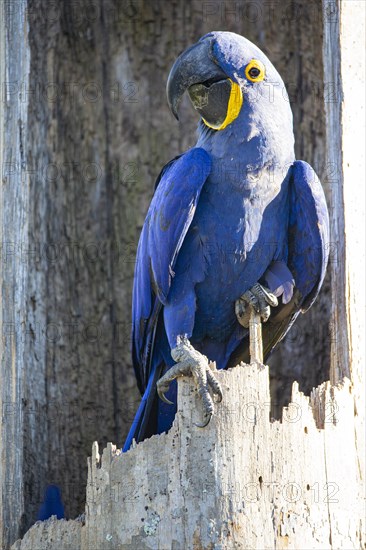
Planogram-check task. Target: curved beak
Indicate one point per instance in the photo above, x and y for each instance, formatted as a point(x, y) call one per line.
point(196, 65)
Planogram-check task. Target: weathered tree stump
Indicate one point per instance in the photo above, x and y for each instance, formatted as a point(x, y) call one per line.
point(242, 482)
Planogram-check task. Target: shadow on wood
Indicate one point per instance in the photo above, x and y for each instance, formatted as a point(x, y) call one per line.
point(243, 482)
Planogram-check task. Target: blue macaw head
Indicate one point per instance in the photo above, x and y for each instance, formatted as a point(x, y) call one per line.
point(228, 78)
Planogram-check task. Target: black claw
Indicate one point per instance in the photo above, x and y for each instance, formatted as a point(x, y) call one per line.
point(219, 396)
point(163, 398)
point(215, 386)
point(209, 416)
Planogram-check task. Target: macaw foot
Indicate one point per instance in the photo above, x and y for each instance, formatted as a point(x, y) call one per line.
point(191, 362)
point(260, 299)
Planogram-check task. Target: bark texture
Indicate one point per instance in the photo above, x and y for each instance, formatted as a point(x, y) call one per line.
point(344, 35)
point(244, 482)
point(85, 130)
point(15, 379)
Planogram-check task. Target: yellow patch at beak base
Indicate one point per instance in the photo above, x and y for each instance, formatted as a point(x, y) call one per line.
point(233, 108)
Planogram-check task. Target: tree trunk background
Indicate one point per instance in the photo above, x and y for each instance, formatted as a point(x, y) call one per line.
point(86, 129)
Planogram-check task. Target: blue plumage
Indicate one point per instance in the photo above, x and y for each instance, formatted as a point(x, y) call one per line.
point(308, 232)
point(52, 504)
point(232, 211)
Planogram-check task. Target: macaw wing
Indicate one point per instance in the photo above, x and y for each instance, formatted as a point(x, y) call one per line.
point(308, 240)
point(308, 244)
point(308, 250)
point(168, 219)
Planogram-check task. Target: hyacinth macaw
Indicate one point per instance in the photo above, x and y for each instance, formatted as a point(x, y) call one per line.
point(52, 504)
point(235, 223)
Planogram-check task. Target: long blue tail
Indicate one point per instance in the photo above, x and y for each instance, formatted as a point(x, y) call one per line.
point(152, 409)
point(137, 421)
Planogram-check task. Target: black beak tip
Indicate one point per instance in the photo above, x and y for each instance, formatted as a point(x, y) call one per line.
point(173, 107)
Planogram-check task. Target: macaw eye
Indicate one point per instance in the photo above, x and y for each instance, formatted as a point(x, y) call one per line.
point(255, 71)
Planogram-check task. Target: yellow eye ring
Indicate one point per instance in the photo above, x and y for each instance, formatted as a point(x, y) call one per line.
point(255, 71)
